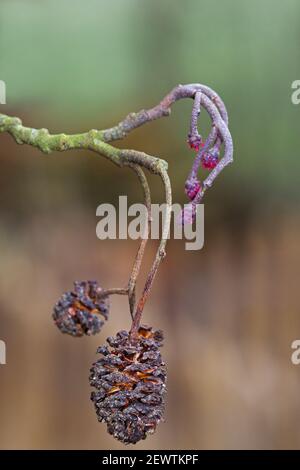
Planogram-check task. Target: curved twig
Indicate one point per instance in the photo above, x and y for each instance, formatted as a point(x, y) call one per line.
point(140, 254)
point(160, 254)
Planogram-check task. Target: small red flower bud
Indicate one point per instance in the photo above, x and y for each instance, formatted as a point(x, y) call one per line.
point(195, 142)
point(210, 159)
point(194, 146)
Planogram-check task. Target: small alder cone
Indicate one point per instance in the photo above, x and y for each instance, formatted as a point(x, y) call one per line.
point(77, 313)
point(130, 384)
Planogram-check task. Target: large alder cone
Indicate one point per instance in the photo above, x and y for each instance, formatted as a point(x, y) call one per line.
point(130, 385)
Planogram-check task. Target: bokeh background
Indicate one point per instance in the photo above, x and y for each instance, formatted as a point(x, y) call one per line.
point(230, 311)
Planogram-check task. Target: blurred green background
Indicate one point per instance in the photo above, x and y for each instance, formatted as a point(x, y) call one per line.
point(229, 311)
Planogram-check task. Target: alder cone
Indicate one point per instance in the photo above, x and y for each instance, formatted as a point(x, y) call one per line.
point(81, 312)
point(130, 385)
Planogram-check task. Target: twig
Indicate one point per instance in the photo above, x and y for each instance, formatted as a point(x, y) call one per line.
point(114, 290)
point(160, 255)
point(194, 138)
point(98, 141)
point(140, 254)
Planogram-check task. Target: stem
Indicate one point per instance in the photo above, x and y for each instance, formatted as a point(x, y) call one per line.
point(228, 145)
point(160, 255)
point(140, 254)
point(194, 138)
point(195, 113)
point(114, 290)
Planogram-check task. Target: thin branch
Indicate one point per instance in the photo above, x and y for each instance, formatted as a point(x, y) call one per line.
point(91, 140)
point(227, 140)
point(160, 254)
point(163, 109)
point(140, 254)
point(194, 138)
point(114, 290)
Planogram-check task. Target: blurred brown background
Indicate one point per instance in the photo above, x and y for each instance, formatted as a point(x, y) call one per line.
point(230, 311)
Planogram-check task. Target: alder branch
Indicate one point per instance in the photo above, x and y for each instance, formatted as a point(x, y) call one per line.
point(98, 142)
point(47, 143)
